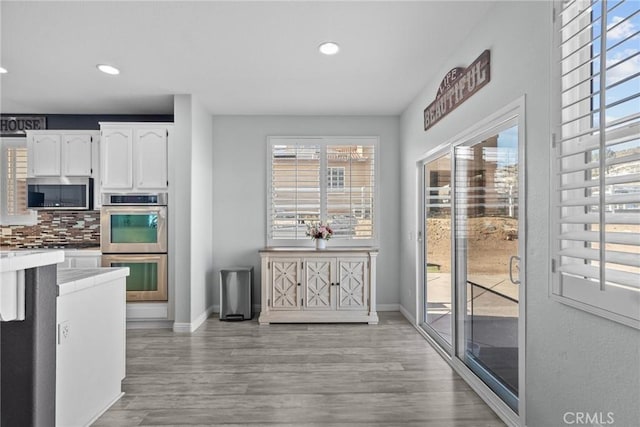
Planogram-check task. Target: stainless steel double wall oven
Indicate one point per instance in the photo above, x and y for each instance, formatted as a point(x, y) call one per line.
point(134, 235)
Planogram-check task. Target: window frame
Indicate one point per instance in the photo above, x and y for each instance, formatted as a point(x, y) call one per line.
point(6, 219)
point(611, 302)
point(323, 142)
point(331, 180)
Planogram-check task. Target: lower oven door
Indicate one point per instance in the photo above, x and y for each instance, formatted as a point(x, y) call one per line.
point(147, 279)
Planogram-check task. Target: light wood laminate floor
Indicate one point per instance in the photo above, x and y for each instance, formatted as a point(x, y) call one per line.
point(239, 373)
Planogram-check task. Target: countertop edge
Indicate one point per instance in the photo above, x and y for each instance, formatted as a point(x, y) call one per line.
point(29, 259)
point(84, 278)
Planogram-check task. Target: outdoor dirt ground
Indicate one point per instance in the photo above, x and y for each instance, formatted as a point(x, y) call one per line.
point(491, 241)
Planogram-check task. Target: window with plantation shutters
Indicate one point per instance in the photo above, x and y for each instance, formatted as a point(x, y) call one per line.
point(13, 183)
point(324, 179)
point(596, 166)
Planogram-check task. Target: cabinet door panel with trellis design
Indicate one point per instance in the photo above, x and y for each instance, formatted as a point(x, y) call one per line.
point(318, 284)
point(285, 291)
point(353, 284)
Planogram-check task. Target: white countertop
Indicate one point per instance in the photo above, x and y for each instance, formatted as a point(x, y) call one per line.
point(76, 279)
point(12, 279)
point(21, 260)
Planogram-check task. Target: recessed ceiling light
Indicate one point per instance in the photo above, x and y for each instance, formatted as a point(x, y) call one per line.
point(329, 48)
point(3, 70)
point(108, 69)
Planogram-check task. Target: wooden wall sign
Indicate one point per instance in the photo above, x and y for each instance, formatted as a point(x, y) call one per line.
point(457, 86)
point(17, 126)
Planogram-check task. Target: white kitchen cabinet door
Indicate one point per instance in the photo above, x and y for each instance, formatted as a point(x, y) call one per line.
point(116, 154)
point(151, 158)
point(44, 155)
point(86, 261)
point(77, 155)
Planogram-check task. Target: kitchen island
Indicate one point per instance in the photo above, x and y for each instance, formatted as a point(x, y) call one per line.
point(28, 295)
point(63, 340)
point(90, 362)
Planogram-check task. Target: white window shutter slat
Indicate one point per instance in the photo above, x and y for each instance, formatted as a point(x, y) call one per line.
point(597, 159)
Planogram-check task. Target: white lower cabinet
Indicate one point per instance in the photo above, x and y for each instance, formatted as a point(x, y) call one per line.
point(81, 259)
point(335, 285)
point(91, 344)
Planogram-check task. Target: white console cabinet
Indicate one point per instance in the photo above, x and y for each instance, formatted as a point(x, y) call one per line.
point(309, 285)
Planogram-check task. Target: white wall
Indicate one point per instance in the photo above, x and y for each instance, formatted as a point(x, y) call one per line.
point(179, 210)
point(202, 277)
point(239, 187)
point(190, 206)
point(575, 361)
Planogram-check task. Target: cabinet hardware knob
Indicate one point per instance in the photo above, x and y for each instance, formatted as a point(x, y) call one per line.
point(299, 284)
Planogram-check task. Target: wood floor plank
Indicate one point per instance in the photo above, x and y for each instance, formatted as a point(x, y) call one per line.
point(239, 373)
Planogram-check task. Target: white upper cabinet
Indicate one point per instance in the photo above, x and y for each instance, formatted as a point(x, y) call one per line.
point(60, 153)
point(45, 155)
point(151, 154)
point(77, 156)
point(134, 156)
point(116, 158)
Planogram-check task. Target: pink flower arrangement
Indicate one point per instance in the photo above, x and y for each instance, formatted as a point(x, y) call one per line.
point(319, 231)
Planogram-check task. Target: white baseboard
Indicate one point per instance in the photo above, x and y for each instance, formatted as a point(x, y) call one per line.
point(193, 326)
point(407, 315)
point(149, 324)
point(387, 307)
point(105, 409)
point(147, 310)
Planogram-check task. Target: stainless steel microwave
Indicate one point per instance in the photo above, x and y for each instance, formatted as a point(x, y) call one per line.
point(60, 193)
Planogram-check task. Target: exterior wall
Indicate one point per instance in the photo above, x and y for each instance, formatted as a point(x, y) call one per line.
point(574, 361)
point(241, 156)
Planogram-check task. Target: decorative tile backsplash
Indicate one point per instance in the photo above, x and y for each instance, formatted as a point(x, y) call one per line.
point(55, 228)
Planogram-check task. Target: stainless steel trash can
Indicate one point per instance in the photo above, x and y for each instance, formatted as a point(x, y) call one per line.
point(236, 284)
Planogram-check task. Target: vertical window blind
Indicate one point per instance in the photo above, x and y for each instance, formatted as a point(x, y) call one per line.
point(321, 179)
point(295, 189)
point(597, 159)
point(16, 181)
point(13, 183)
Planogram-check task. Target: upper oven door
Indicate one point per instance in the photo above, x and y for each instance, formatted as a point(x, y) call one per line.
point(133, 229)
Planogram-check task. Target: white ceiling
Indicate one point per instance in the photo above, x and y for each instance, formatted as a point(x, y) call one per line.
point(237, 57)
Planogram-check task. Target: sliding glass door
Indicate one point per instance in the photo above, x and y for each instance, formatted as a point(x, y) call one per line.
point(487, 259)
point(437, 248)
point(471, 255)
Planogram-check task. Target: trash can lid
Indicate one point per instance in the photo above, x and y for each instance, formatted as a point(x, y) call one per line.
point(236, 269)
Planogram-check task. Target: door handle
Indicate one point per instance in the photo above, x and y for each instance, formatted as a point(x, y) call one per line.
point(517, 258)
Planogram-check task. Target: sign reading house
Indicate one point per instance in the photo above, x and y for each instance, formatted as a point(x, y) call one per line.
point(17, 126)
point(456, 87)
